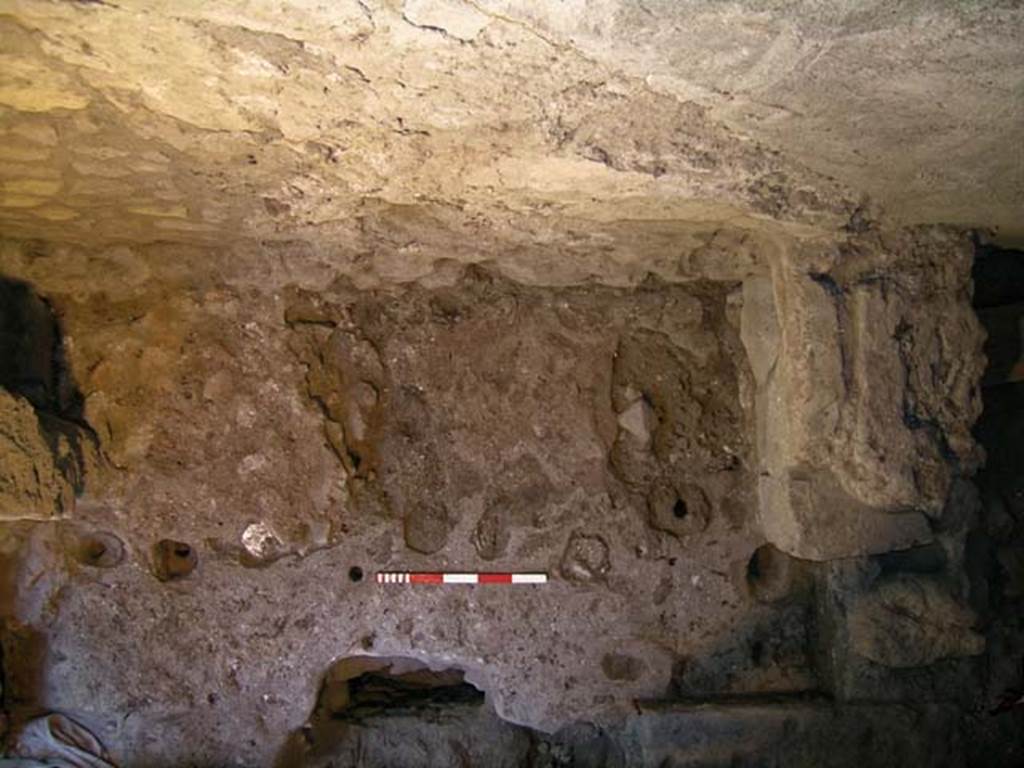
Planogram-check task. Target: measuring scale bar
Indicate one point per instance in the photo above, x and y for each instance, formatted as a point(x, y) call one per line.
point(413, 577)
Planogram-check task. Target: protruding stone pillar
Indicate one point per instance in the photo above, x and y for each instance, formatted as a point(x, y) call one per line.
point(866, 389)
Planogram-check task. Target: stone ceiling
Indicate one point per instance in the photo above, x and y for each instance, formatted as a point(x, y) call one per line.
point(410, 132)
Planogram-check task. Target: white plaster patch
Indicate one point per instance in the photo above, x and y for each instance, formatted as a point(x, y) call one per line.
point(260, 540)
point(638, 419)
point(254, 462)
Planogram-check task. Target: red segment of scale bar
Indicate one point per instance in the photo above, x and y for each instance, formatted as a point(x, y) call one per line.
point(426, 578)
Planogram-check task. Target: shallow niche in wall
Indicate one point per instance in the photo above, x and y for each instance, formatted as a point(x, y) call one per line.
point(386, 711)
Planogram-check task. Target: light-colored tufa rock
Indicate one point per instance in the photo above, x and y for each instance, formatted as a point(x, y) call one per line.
point(30, 484)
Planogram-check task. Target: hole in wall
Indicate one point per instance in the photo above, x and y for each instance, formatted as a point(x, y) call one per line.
point(391, 711)
point(358, 687)
point(379, 697)
point(96, 549)
point(679, 510)
point(173, 560)
point(769, 574)
point(393, 686)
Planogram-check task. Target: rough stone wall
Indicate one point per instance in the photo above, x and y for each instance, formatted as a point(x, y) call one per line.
point(314, 290)
point(31, 485)
point(624, 439)
point(869, 384)
point(45, 447)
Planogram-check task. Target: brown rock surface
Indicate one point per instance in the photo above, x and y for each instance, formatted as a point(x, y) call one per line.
point(30, 484)
point(669, 300)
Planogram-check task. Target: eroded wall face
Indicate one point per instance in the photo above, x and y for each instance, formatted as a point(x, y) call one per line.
point(868, 366)
point(714, 471)
point(627, 293)
point(744, 482)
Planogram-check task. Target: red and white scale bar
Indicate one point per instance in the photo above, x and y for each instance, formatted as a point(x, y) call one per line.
point(413, 577)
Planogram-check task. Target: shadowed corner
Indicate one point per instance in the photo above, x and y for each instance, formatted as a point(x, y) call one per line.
point(45, 449)
point(34, 369)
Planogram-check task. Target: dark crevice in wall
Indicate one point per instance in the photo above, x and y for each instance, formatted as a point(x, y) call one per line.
point(4, 717)
point(32, 352)
point(999, 301)
point(34, 366)
point(995, 547)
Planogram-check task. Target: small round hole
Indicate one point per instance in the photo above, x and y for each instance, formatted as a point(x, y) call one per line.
point(355, 574)
point(98, 549)
point(679, 509)
point(94, 551)
point(173, 559)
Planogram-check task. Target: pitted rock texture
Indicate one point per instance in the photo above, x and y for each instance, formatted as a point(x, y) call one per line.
point(855, 389)
point(671, 301)
point(460, 426)
point(403, 400)
point(30, 484)
point(912, 622)
point(282, 437)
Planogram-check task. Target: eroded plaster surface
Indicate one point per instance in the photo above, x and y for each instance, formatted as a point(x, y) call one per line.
point(671, 301)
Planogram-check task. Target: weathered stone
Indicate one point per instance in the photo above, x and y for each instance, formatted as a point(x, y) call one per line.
point(851, 427)
point(31, 486)
point(615, 291)
point(810, 517)
point(759, 327)
point(585, 558)
point(95, 549)
point(772, 575)
point(426, 527)
point(912, 621)
point(173, 560)
point(620, 666)
point(491, 535)
point(638, 420)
